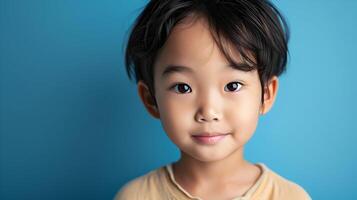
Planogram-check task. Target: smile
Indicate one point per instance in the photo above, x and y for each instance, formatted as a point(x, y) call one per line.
point(208, 139)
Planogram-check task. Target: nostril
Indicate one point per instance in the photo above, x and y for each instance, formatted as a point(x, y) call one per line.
point(205, 120)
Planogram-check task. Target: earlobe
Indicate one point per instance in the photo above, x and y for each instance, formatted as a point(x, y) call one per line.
point(270, 94)
point(147, 99)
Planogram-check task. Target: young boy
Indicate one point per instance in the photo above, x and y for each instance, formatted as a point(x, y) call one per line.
point(208, 70)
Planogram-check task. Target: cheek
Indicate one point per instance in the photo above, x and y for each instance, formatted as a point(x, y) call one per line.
point(175, 115)
point(244, 119)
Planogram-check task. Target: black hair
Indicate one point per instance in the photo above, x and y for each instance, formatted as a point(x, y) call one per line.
point(253, 27)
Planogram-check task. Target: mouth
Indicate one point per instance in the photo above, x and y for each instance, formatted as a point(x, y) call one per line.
point(209, 138)
point(207, 134)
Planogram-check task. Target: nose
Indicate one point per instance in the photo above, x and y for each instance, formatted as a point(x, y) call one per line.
point(208, 109)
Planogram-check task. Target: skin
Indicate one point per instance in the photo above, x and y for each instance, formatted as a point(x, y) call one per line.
point(216, 171)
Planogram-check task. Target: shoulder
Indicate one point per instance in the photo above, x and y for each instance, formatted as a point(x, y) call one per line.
point(143, 187)
point(287, 189)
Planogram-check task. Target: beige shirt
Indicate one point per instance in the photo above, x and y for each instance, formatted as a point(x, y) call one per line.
point(160, 184)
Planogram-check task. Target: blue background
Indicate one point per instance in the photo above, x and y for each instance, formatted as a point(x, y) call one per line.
point(73, 127)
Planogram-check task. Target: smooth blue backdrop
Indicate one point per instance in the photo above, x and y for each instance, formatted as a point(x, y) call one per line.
point(72, 125)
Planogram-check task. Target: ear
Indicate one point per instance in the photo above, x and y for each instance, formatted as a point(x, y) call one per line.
point(147, 99)
point(270, 93)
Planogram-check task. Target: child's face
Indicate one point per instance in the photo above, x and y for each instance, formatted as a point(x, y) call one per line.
point(209, 97)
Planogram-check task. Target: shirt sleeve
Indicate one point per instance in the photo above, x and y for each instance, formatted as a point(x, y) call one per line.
point(128, 192)
point(296, 192)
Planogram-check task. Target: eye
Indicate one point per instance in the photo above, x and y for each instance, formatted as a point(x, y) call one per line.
point(181, 88)
point(232, 86)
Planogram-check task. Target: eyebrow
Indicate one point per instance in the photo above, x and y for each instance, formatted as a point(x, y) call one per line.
point(170, 69)
point(174, 69)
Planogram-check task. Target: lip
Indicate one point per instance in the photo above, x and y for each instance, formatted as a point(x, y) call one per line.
point(207, 134)
point(209, 138)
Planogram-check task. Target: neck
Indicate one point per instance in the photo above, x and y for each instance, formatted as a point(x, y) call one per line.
point(190, 170)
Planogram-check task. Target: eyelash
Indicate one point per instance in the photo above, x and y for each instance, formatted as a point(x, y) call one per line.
point(176, 84)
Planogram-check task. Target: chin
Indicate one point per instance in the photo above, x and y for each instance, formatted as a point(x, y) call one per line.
point(209, 155)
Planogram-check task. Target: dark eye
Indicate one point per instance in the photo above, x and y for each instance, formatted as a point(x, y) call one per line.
point(181, 88)
point(232, 86)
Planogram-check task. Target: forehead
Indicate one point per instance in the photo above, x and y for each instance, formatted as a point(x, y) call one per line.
point(191, 39)
point(191, 43)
